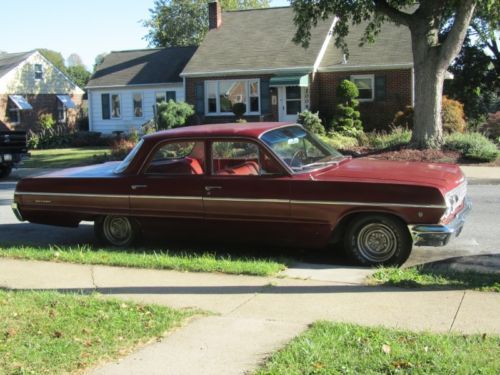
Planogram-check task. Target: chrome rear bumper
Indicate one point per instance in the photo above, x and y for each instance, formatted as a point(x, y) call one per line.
point(440, 235)
point(16, 211)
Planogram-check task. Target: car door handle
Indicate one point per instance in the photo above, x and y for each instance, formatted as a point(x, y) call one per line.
point(135, 187)
point(210, 188)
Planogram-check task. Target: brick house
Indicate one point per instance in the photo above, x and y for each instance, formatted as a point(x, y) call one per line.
point(30, 85)
point(249, 56)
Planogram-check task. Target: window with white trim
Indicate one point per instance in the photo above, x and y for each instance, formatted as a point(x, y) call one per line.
point(220, 96)
point(366, 86)
point(38, 71)
point(137, 103)
point(115, 106)
point(14, 115)
point(61, 112)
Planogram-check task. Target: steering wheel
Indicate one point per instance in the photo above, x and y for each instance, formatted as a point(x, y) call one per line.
point(296, 155)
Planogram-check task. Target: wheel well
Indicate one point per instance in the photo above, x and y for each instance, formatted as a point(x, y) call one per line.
point(343, 224)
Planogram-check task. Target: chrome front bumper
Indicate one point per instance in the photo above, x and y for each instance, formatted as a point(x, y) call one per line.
point(16, 211)
point(440, 235)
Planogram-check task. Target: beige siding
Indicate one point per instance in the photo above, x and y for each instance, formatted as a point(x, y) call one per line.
point(21, 80)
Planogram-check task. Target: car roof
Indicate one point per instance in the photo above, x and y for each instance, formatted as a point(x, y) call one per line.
point(250, 129)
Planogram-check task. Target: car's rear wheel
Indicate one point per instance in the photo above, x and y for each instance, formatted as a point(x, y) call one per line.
point(5, 171)
point(117, 230)
point(378, 240)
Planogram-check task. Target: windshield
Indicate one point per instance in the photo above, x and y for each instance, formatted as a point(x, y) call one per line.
point(299, 149)
point(126, 162)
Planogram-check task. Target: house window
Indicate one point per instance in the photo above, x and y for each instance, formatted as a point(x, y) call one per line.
point(160, 97)
point(14, 115)
point(110, 104)
point(61, 112)
point(115, 106)
point(293, 100)
point(38, 71)
point(365, 85)
point(137, 102)
point(222, 95)
point(171, 95)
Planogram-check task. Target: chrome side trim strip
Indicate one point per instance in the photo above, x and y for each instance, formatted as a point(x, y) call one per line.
point(376, 204)
point(249, 200)
point(73, 195)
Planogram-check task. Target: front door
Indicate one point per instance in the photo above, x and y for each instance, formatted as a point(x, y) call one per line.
point(290, 102)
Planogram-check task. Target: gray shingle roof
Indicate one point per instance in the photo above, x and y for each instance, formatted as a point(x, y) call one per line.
point(254, 40)
point(139, 67)
point(9, 61)
point(392, 47)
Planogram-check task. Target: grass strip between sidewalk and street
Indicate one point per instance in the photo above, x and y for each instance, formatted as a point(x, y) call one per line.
point(420, 276)
point(54, 333)
point(64, 157)
point(161, 260)
point(339, 348)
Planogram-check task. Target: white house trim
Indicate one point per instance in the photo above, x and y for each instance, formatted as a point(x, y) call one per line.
point(298, 69)
point(347, 67)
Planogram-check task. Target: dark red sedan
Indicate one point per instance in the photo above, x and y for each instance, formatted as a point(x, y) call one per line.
point(265, 182)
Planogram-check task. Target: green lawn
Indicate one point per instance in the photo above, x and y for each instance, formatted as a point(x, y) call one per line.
point(64, 157)
point(53, 333)
point(329, 348)
point(420, 276)
point(159, 259)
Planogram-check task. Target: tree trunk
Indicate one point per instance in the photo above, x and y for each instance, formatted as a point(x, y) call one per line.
point(427, 126)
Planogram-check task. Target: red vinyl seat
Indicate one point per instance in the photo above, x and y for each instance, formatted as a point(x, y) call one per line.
point(249, 168)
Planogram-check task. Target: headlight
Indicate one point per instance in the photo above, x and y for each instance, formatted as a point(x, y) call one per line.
point(7, 157)
point(454, 199)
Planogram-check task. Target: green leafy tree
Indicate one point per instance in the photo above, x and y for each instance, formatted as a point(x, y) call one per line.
point(426, 19)
point(78, 74)
point(180, 23)
point(311, 121)
point(346, 120)
point(74, 59)
point(56, 58)
point(99, 59)
point(173, 114)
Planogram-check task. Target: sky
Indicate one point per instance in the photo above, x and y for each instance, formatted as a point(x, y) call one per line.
point(87, 27)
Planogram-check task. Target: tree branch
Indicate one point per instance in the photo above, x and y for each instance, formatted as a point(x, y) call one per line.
point(394, 14)
point(453, 42)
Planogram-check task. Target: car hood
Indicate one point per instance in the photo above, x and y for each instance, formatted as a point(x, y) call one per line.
point(96, 170)
point(439, 175)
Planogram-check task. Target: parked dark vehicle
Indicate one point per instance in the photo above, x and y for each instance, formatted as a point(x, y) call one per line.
point(260, 182)
point(13, 149)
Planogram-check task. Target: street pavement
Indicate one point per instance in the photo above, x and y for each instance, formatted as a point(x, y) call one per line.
point(254, 316)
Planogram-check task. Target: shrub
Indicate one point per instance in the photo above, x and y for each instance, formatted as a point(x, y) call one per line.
point(491, 128)
point(339, 141)
point(404, 118)
point(148, 127)
point(397, 137)
point(46, 121)
point(453, 116)
point(87, 139)
point(241, 121)
point(346, 120)
point(173, 114)
point(474, 146)
point(120, 148)
point(311, 122)
point(56, 137)
point(239, 109)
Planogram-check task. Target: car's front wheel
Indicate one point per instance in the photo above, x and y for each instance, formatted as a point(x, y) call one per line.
point(116, 230)
point(378, 240)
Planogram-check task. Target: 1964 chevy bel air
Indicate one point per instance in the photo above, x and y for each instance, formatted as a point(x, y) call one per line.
point(266, 182)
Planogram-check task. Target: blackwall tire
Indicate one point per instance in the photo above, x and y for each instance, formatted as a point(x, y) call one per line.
point(378, 240)
point(118, 231)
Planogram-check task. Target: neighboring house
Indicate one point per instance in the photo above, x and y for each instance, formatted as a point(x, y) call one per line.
point(30, 85)
point(127, 85)
point(249, 56)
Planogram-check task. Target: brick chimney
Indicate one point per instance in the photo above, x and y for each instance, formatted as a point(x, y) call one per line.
point(214, 15)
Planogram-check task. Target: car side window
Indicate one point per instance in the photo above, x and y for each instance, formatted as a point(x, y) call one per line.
point(178, 158)
point(242, 158)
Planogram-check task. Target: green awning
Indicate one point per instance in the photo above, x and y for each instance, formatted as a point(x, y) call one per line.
point(302, 81)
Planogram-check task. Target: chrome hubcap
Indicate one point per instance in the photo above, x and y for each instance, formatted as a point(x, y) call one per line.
point(377, 242)
point(117, 229)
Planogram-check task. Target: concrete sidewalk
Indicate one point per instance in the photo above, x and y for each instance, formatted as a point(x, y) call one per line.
point(254, 316)
point(481, 174)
